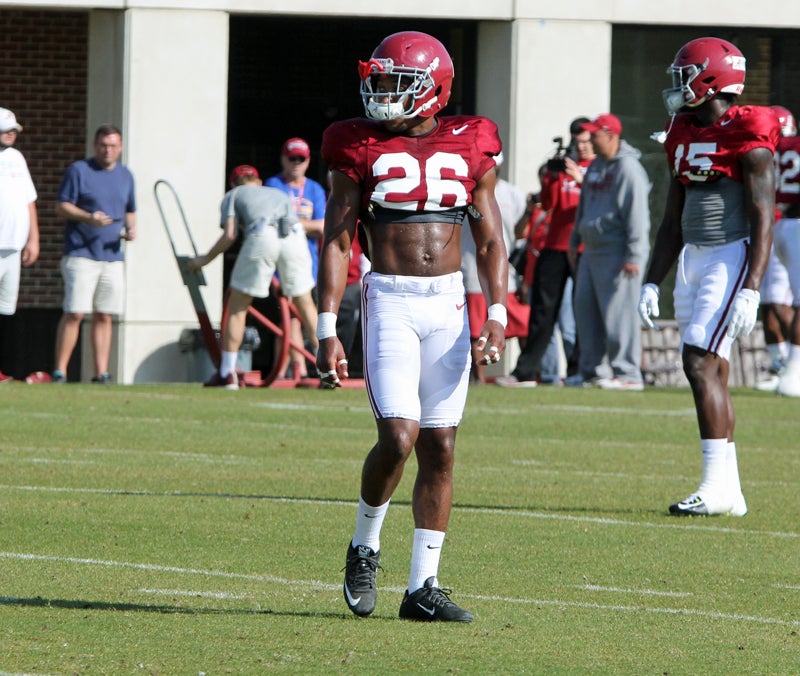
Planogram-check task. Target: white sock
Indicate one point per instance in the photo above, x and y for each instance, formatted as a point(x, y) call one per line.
point(794, 352)
point(368, 525)
point(227, 364)
point(714, 483)
point(425, 555)
point(734, 483)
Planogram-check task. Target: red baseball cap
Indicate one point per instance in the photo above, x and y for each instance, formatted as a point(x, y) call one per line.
point(244, 170)
point(607, 121)
point(296, 147)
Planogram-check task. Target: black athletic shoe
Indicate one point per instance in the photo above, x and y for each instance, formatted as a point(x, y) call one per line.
point(432, 604)
point(360, 587)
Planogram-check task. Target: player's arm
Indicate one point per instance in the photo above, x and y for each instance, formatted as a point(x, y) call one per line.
point(669, 238)
point(758, 177)
point(492, 262)
point(666, 248)
point(341, 218)
point(229, 234)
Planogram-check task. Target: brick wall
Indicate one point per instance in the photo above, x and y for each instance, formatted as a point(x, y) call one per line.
point(43, 65)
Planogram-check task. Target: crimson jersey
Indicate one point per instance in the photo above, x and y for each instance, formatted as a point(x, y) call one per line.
point(787, 163)
point(434, 172)
point(560, 196)
point(702, 154)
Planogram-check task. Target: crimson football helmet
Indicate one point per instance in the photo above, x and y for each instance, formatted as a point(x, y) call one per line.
point(424, 76)
point(785, 117)
point(702, 69)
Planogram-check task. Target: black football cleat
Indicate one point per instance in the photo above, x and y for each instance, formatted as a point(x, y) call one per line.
point(432, 604)
point(360, 586)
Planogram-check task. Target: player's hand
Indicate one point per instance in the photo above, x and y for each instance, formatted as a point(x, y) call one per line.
point(331, 363)
point(492, 342)
point(648, 305)
point(744, 313)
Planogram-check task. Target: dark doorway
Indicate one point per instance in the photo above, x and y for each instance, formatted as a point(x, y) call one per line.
point(293, 77)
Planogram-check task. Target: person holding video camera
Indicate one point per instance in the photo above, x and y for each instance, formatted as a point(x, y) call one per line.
point(561, 190)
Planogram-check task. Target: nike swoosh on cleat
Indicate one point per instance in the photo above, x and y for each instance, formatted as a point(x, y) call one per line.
point(430, 611)
point(456, 132)
point(352, 601)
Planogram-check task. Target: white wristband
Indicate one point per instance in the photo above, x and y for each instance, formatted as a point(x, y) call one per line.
point(326, 325)
point(498, 313)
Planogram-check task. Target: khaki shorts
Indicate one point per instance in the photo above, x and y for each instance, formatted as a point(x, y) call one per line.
point(92, 286)
point(262, 254)
point(10, 261)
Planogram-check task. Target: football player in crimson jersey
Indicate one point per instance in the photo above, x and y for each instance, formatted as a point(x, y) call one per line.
point(787, 239)
point(718, 225)
point(409, 177)
point(776, 293)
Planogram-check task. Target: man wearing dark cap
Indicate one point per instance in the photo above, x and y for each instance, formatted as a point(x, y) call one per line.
point(273, 238)
point(613, 224)
point(309, 199)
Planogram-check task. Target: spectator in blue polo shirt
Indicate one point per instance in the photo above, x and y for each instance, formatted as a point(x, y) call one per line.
point(97, 201)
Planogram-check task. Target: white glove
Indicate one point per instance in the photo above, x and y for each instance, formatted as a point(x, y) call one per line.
point(743, 314)
point(648, 305)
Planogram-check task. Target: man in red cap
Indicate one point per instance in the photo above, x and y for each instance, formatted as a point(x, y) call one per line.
point(613, 224)
point(309, 199)
point(273, 238)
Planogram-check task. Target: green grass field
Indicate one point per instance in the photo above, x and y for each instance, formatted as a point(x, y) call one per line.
point(177, 530)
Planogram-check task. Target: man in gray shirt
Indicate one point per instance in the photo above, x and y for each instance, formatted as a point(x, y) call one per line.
point(273, 239)
point(613, 225)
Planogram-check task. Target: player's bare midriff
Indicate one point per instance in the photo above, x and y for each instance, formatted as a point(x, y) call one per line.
point(415, 249)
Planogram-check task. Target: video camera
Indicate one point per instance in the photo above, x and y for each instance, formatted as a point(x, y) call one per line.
point(556, 163)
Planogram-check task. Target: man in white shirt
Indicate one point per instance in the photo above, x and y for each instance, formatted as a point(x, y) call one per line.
point(19, 222)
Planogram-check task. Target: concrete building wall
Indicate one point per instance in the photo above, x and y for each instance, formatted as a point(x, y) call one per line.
point(159, 69)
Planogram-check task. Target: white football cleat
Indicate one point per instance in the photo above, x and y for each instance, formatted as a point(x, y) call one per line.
point(789, 384)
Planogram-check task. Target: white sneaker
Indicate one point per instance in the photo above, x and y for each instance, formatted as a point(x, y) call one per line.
point(619, 384)
point(769, 384)
point(789, 383)
point(512, 381)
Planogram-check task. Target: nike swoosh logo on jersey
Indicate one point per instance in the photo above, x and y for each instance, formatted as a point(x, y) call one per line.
point(461, 307)
point(724, 123)
point(456, 132)
point(353, 601)
point(430, 611)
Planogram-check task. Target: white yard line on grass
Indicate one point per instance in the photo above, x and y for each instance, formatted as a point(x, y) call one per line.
point(617, 590)
point(315, 584)
point(684, 523)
